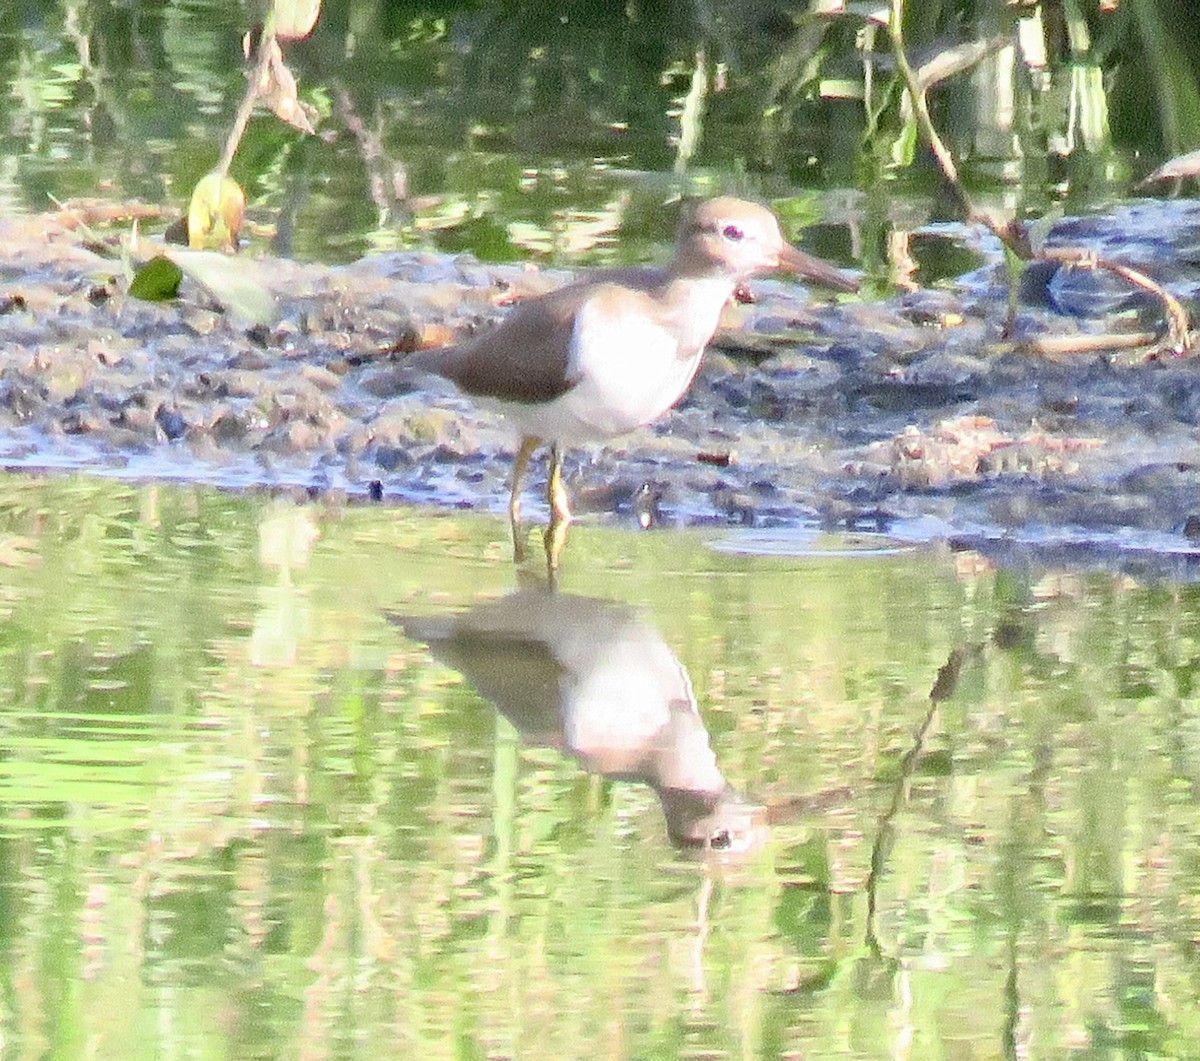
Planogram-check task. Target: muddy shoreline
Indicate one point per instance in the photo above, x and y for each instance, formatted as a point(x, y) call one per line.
point(906, 413)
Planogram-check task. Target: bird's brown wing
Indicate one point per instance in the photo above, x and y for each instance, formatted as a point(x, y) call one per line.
point(522, 359)
point(525, 358)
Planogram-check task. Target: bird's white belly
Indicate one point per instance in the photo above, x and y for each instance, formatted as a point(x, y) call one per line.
point(600, 408)
point(628, 372)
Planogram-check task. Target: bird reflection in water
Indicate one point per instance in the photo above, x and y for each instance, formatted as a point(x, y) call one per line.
point(590, 677)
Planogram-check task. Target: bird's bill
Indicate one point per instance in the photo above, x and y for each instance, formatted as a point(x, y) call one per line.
point(797, 261)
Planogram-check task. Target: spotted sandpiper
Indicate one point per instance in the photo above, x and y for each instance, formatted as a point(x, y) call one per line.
point(605, 355)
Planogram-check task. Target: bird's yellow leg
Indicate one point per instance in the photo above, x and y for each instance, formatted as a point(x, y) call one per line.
point(556, 492)
point(560, 511)
point(528, 445)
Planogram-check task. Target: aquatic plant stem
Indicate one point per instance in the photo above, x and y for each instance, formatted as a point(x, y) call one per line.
point(1014, 235)
point(920, 106)
point(262, 59)
point(1009, 233)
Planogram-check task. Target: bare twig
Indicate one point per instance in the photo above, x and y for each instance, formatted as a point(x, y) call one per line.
point(920, 106)
point(1053, 346)
point(1178, 336)
point(387, 178)
point(951, 61)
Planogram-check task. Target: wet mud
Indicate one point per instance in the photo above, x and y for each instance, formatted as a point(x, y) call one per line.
point(917, 413)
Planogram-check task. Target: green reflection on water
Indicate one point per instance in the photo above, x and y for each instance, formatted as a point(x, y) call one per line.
point(525, 130)
point(242, 815)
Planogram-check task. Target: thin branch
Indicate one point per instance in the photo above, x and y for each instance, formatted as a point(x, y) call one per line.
point(920, 106)
point(1053, 346)
point(1178, 334)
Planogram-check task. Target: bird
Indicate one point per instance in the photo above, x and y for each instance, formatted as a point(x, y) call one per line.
point(613, 351)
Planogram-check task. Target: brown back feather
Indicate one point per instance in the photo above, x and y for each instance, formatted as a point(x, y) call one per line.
point(524, 357)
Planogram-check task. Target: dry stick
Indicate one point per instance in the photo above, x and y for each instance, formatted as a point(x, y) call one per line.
point(1180, 338)
point(1058, 345)
point(1011, 233)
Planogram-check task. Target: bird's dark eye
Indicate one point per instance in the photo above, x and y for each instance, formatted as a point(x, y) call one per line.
point(732, 233)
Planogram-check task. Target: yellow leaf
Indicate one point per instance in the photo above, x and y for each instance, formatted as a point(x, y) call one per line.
point(215, 213)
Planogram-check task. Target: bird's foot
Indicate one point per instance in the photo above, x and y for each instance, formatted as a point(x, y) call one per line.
point(556, 540)
point(528, 445)
point(518, 540)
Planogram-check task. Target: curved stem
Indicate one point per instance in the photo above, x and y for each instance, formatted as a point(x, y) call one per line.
point(262, 60)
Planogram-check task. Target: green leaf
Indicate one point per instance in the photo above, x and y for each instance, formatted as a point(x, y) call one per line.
point(157, 280)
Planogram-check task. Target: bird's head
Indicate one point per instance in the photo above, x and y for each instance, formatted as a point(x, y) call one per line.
point(740, 238)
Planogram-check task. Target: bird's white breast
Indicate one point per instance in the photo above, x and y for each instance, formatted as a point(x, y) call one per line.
point(629, 365)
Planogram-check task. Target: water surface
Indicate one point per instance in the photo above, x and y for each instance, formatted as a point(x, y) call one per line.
point(555, 130)
point(243, 815)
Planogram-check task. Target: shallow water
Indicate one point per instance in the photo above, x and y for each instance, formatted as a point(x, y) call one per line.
point(554, 131)
point(242, 815)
